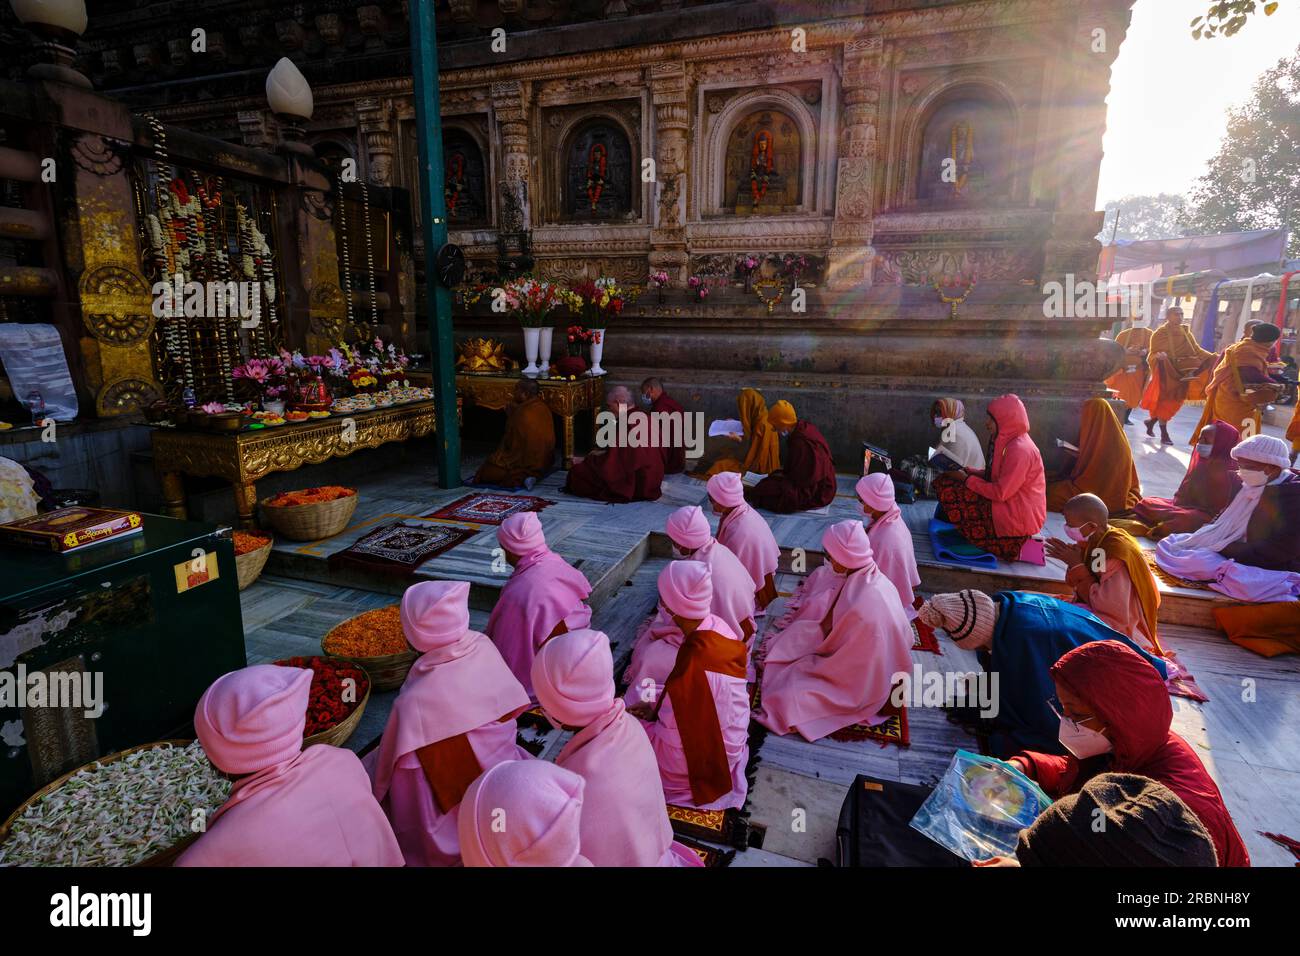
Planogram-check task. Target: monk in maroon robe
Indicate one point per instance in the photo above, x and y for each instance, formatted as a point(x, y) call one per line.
point(657, 400)
point(808, 479)
point(629, 469)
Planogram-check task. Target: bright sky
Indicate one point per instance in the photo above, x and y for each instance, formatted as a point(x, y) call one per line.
point(1169, 93)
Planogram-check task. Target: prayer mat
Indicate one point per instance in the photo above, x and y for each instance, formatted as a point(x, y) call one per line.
point(948, 545)
point(484, 508)
point(727, 827)
point(533, 717)
point(711, 856)
point(401, 547)
point(892, 731)
point(1172, 580)
point(924, 638)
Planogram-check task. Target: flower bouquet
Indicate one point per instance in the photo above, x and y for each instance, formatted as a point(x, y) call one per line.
point(602, 301)
point(531, 301)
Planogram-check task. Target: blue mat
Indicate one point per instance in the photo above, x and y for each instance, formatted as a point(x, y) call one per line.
point(948, 545)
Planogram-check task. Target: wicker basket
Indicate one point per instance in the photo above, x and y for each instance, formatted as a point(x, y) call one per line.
point(386, 672)
point(248, 566)
point(310, 522)
point(162, 857)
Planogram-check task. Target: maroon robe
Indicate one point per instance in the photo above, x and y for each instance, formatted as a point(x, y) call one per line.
point(619, 474)
point(808, 479)
point(674, 457)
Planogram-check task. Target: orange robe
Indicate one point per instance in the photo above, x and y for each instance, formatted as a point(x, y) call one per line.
point(1166, 391)
point(1129, 385)
point(1124, 594)
point(764, 454)
point(527, 448)
point(1104, 466)
point(1226, 398)
point(1293, 430)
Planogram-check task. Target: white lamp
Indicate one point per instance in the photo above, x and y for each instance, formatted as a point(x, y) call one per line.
point(289, 94)
point(58, 23)
point(69, 15)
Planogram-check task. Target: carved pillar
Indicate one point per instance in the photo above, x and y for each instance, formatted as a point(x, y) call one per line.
point(255, 129)
point(510, 103)
point(852, 232)
point(375, 120)
point(668, 87)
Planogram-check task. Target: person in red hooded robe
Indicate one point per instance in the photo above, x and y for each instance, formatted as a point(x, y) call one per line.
point(627, 469)
point(1208, 487)
point(1002, 508)
point(808, 479)
point(1115, 717)
point(661, 403)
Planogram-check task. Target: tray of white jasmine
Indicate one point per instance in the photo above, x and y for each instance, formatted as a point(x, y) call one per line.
point(138, 807)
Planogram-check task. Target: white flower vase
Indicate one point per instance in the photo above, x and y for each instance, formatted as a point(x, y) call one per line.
point(544, 350)
point(597, 350)
point(531, 337)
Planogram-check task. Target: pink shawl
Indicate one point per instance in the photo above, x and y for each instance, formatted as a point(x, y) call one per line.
point(747, 536)
point(891, 541)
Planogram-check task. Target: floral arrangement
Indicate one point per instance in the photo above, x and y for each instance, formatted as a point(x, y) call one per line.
point(326, 707)
point(602, 300)
point(700, 286)
point(794, 265)
point(580, 335)
point(659, 279)
point(531, 300)
point(309, 496)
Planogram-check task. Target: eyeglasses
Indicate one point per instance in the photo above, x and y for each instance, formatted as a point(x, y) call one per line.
point(1058, 709)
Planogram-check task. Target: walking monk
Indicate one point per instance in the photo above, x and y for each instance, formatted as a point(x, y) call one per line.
point(627, 469)
point(543, 597)
point(746, 535)
point(1241, 383)
point(1175, 359)
point(1131, 378)
point(527, 449)
point(808, 479)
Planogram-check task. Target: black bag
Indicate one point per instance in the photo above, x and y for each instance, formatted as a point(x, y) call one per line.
point(874, 831)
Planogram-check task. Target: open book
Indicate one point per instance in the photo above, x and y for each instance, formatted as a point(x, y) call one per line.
point(750, 479)
point(726, 426)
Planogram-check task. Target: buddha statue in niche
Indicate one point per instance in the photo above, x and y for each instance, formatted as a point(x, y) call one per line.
point(763, 175)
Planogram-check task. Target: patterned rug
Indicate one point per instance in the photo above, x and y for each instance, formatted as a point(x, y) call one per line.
point(485, 508)
point(1173, 580)
point(728, 827)
point(892, 731)
point(710, 855)
point(924, 638)
point(401, 547)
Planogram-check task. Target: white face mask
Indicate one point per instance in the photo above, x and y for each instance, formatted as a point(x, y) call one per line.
point(1075, 534)
point(1081, 741)
point(679, 554)
point(1254, 479)
point(1204, 450)
point(938, 423)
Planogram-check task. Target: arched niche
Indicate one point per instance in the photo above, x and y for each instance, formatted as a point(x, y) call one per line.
point(731, 174)
point(332, 151)
point(597, 176)
point(964, 149)
point(465, 182)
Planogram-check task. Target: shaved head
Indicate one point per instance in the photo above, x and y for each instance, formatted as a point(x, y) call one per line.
point(1084, 509)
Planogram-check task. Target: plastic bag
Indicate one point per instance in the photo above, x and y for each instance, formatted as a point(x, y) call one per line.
point(979, 807)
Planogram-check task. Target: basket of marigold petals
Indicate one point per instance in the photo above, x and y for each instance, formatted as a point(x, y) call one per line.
point(339, 694)
point(310, 514)
point(373, 640)
point(251, 551)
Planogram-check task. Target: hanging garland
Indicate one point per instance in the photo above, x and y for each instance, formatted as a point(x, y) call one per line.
point(455, 181)
point(347, 256)
point(597, 163)
point(962, 154)
point(770, 301)
point(370, 259)
point(165, 236)
point(760, 165)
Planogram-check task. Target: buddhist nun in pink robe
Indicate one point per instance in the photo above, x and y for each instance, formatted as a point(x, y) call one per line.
point(698, 723)
point(745, 533)
point(523, 813)
point(822, 676)
point(543, 597)
point(288, 806)
point(624, 820)
point(454, 717)
point(891, 541)
point(733, 588)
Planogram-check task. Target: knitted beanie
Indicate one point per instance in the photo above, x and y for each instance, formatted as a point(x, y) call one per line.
point(968, 616)
point(1117, 819)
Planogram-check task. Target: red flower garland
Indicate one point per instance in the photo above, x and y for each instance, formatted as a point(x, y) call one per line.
point(455, 181)
point(596, 163)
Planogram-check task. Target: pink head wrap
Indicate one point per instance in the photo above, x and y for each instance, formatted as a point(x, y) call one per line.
point(689, 528)
point(435, 613)
point(877, 491)
point(725, 488)
point(521, 534)
point(522, 813)
point(686, 588)
point(254, 718)
point(573, 677)
point(847, 543)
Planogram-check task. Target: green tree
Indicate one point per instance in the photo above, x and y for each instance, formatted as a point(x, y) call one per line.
point(1145, 217)
point(1226, 17)
point(1253, 182)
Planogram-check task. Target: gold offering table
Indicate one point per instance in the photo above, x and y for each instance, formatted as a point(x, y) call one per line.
point(565, 397)
point(242, 458)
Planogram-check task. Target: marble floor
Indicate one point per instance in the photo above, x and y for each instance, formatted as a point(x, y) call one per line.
point(1245, 733)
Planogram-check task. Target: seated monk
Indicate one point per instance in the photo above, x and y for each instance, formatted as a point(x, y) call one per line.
point(1104, 464)
point(1242, 382)
point(624, 819)
point(1108, 571)
point(527, 450)
point(1018, 636)
point(620, 472)
point(733, 590)
point(698, 720)
point(288, 806)
point(660, 402)
point(1130, 378)
point(763, 454)
point(891, 541)
point(1210, 483)
point(543, 597)
point(746, 535)
point(523, 813)
point(1002, 508)
point(454, 717)
point(808, 479)
point(823, 676)
point(1114, 716)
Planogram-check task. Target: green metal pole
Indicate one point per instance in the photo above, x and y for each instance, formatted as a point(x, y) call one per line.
point(433, 211)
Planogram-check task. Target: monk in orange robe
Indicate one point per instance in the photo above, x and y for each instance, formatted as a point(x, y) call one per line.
point(1175, 359)
point(1241, 383)
point(764, 453)
point(1104, 466)
point(622, 471)
point(1131, 378)
point(527, 450)
point(1293, 433)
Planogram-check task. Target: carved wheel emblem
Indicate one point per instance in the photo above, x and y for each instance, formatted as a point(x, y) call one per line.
point(116, 305)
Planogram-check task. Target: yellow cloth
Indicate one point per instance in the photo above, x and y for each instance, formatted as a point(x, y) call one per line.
point(1128, 384)
point(764, 454)
point(527, 448)
point(1166, 391)
point(1293, 430)
point(1267, 629)
point(1119, 545)
point(1104, 466)
point(1226, 398)
point(782, 416)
